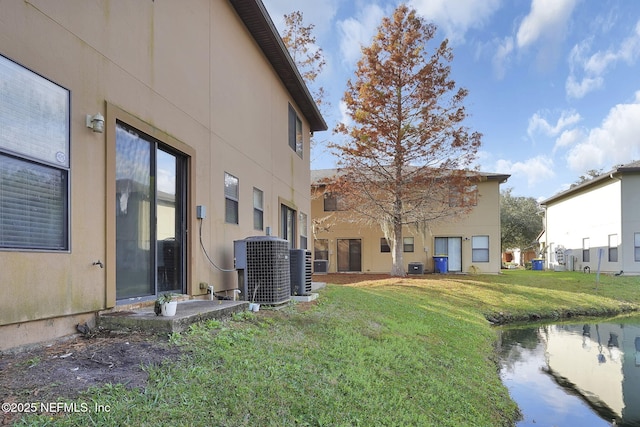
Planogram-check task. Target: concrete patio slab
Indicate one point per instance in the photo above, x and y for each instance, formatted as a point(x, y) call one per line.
point(188, 313)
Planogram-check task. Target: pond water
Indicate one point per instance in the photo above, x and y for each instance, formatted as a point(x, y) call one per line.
point(582, 374)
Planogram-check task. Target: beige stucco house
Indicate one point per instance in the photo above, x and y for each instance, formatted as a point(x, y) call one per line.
point(470, 243)
point(130, 130)
point(596, 223)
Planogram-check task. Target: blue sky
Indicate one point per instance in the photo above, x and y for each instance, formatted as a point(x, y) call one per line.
point(554, 85)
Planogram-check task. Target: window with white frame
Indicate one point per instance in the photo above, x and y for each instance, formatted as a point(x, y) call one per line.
point(636, 247)
point(231, 196)
point(407, 244)
point(258, 209)
point(333, 202)
point(586, 255)
point(295, 131)
point(34, 160)
point(613, 248)
point(480, 249)
point(321, 249)
point(384, 245)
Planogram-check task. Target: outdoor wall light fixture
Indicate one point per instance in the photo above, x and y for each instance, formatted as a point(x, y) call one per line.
point(96, 122)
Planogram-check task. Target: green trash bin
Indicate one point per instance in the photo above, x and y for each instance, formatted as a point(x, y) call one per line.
point(440, 264)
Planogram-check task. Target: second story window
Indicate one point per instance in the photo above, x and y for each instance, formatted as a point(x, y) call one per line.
point(231, 193)
point(333, 202)
point(467, 196)
point(295, 131)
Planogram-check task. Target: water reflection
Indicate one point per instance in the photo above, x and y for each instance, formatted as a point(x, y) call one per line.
point(573, 374)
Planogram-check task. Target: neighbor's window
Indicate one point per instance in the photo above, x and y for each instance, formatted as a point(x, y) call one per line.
point(636, 246)
point(34, 160)
point(231, 198)
point(586, 256)
point(333, 202)
point(407, 244)
point(295, 131)
point(258, 209)
point(303, 230)
point(321, 249)
point(384, 245)
point(467, 196)
point(613, 248)
point(480, 249)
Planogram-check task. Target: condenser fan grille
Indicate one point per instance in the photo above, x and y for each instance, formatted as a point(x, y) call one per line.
point(267, 270)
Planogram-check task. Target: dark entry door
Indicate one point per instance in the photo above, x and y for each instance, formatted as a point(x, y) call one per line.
point(349, 255)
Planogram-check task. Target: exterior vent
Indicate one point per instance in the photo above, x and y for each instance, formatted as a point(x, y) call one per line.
point(320, 266)
point(263, 269)
point(300, 271)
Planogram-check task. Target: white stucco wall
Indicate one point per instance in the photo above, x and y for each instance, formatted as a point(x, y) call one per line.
point(594, 214)
point(630, 222)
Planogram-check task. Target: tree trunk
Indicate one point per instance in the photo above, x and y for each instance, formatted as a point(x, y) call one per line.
point(397, 269)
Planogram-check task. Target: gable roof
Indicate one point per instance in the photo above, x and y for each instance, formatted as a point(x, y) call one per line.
point(322, 176)
point(259, 23)
point(633, 167)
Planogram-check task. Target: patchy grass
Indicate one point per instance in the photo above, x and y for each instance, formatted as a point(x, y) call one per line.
point(378, 351)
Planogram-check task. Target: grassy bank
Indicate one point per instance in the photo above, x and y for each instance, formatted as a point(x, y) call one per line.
point(414, 351)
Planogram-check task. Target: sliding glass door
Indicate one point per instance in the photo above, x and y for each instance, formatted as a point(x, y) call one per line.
point(150, 216)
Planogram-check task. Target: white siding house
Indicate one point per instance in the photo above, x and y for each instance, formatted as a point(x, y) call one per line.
point(596, 223)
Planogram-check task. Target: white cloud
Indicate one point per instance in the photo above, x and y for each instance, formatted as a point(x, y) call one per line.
point(319, 12)
point(568, 138)
point(358, 32)
point(344, 114)
point(544, 27)
point(535, 170)
point(577, 89)
point(455, 17)
point(593, 67)
point(546, 20)
point(537, 123)
point(615, 141)
point(501, 57)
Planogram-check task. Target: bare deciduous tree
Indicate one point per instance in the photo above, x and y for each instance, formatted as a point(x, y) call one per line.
point(308, 57)
point(406, 149)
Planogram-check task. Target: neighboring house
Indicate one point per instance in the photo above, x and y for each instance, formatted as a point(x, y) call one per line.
point(200, 126)
point(470, 243)
point(596, 223)
point(516, 256)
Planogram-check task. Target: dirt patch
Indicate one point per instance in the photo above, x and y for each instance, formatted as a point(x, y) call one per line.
point(64, 370)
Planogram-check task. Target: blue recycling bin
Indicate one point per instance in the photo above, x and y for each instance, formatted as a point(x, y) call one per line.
point(440, 264)
point(536, 264)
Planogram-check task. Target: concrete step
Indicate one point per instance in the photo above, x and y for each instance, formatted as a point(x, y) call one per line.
point(187, 313)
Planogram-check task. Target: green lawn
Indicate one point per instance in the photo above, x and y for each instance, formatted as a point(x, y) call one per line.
point(393, 352)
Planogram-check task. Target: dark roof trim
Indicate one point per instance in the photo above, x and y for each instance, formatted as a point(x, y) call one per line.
point(501, 178)
point(633, 167)
point(257, 20)
point(322, 176)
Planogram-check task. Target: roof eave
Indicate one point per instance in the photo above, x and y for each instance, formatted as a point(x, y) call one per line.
point(257, 20)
